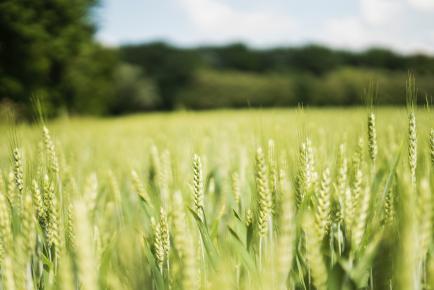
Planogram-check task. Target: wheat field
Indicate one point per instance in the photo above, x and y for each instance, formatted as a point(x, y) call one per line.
point(253, 199)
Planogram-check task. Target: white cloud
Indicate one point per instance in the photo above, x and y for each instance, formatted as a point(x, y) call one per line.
point(422, 5)
point(217, 21)
point(347, 32)
point(384, 23)
point(108, 39)
point(404, 25)
point(380, 12)
point(354, 33)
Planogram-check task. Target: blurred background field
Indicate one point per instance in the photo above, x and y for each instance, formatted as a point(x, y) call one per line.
point(124, 142)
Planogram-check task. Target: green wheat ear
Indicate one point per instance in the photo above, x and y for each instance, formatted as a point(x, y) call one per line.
point(5, 228)
point(236, 191)
point(361, 220)
point(357, 157)
point(11, 192)
point(159, 251)
point(370, 96)
point(19, 175)
point(70, 229)
point(249, 217)
point(389, 206)
point(52, 229)
point(412, 145)
point(198, 186)
point(53, 163)
point(323, 205)
point(411, 95)
point(165, 234)
point(372, 137)
point(138, 186)
point(264, 194)
point(432, 146)
point(305, 175)
point(38, 202)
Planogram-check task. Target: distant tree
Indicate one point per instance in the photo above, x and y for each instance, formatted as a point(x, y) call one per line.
point(133, 91)
point(315, 59)
point(379, 57)
point(41, 44)
point(237, 56)
point(420, 63)
point(172, 69)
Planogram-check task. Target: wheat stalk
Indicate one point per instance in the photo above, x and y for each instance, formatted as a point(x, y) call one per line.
point(85, 256)
point(8, 274)
point(425, 217)
point(165, 177)
point(323, 208)
point(287, 231)
point(179, 223)
point(65, 279)
point(273, 171)
point(314, 257)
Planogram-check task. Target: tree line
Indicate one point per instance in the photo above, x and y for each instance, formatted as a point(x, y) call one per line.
point(238, 76)
point(48, 50)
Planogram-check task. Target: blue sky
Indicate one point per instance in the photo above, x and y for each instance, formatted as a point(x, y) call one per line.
point(404, 25)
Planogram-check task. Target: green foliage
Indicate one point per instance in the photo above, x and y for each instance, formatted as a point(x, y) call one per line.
point(238, 76)
point(133, 91)
point(170, 68)
point(47, 50)
point(225, 89)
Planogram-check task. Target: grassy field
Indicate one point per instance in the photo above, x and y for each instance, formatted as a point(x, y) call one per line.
point(258, 199)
